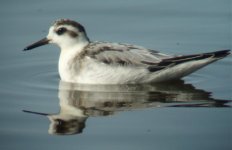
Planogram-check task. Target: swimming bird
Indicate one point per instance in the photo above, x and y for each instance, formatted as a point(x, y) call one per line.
point(92, 62)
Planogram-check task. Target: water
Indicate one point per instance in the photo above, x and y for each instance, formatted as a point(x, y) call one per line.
point(38, 111)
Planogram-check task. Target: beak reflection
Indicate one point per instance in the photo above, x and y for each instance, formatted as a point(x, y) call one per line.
point(78, 102)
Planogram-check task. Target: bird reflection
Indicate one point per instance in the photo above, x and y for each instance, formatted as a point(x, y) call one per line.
point(78, 102)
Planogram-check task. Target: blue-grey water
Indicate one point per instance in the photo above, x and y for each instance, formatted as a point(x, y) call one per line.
point(38, 111)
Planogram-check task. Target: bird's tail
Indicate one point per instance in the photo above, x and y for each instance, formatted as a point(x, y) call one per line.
point(180, 66)
point(219, 54)
point(181, 59)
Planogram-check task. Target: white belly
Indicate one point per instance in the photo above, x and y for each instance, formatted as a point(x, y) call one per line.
point(91, 72)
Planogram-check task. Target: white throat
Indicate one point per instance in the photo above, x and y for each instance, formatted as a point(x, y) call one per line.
point(74, 47)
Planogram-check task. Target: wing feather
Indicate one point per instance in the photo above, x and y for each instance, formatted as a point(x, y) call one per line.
point(124, 54)
point(136, 56)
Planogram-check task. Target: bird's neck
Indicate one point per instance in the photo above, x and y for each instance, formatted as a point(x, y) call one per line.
point(68, 62)
point(73, 47)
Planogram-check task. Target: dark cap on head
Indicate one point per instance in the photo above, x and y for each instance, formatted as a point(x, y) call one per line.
point(70, 22)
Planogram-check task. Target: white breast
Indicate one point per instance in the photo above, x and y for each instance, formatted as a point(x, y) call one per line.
point(92, 72)
point(69, 64)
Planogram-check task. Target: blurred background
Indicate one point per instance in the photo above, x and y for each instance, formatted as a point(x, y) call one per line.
point(29, 80)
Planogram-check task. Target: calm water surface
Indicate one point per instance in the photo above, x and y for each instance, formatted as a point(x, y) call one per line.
point(38, 111)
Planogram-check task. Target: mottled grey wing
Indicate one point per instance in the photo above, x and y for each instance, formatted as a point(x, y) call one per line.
point(125, 54)
point(130, 55)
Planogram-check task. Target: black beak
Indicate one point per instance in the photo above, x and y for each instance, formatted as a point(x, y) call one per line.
point(36, 113)
point(43, 41)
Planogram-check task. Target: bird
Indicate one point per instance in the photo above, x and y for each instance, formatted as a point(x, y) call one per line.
point(94, 62)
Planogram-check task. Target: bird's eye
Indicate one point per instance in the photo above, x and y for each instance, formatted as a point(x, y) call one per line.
point(60, 31)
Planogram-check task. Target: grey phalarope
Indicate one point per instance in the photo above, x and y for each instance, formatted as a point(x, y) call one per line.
point(87, 62)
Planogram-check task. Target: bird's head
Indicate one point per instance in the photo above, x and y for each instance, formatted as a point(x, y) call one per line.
point(65, 33)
